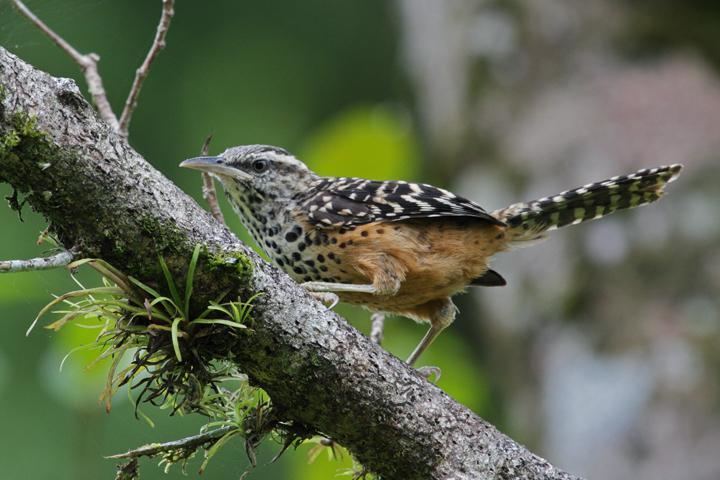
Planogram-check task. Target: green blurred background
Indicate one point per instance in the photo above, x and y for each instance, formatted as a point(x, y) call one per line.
point(601, 354)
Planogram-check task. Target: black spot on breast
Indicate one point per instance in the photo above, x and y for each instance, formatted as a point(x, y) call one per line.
point(279, 262)
point(296, 256)
point(342, 245)
point(364, 233)
point(331, 255)
point(323, 268)
point(299, 270)
point(309, 263)
point(291, 237)
point(301, 246)
point(321, 258)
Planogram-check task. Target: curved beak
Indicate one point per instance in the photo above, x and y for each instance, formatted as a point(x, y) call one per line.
point(214, 165)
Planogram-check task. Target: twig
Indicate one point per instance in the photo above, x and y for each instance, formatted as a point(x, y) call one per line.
point(376, 327)
point(141, 73)
point(127, 471)
point(88, 65)
point(60, 259)
point(187, 444)
point(208, 189)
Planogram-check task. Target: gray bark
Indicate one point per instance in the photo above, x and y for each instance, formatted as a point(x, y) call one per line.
point(103, 199)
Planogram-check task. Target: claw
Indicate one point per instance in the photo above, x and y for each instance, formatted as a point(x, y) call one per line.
point(328, 298)
point(429, 371)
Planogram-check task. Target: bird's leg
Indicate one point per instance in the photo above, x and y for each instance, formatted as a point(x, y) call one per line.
point(426, 371)
point(325, 291)
point(383, 282)
point(377, 320)
point(429, 337)
point(377, 325)
point(338, 287)
point(440, 319)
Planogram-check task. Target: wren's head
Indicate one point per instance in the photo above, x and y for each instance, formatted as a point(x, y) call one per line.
point(267, 172)
point(260, 181)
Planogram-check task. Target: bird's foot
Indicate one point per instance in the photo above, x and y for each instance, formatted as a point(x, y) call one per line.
point(328, 298)
point(429, 372)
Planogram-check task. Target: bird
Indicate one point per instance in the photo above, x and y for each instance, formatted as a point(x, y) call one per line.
point(397, 247)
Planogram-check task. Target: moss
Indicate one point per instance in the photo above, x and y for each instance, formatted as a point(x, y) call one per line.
point(11, 138)
point(8, 142)
point(167, 239)
point(236, 263)
point(22, 138)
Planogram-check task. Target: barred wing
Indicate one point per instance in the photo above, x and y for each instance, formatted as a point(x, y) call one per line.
point(346, 202)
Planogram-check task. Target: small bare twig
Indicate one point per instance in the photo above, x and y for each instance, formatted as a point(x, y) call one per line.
point(141, 73)
point(185, 444)
point(376, 327)
point(88, 64)
point(60, 259)
point(208, 189)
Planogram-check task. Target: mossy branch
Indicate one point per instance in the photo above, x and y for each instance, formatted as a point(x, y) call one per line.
point(105, 201)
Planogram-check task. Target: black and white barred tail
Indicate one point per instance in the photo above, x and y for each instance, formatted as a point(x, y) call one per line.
point(529, 221)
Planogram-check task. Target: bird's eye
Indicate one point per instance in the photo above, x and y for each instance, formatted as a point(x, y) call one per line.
point(260, 165)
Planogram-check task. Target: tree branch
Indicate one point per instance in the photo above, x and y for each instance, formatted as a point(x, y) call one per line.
point(104, 198)
point(158, 44)
point(60, 259)
point(189, 444)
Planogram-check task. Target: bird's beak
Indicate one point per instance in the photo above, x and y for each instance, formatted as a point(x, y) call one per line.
point(214, 165)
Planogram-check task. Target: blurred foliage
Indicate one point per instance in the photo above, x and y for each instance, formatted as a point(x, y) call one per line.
point(655, 27)
point(364, 141)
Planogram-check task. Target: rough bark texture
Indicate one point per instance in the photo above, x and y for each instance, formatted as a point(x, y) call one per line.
point(104, 199)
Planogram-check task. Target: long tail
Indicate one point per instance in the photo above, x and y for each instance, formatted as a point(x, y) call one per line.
point(529, 221)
